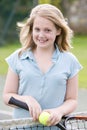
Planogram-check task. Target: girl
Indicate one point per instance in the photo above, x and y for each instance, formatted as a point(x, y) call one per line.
point(43, 73)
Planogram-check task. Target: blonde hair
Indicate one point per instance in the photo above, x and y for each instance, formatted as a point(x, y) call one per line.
point(53, 14)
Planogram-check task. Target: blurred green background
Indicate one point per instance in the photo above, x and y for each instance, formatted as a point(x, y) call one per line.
point(13, 11)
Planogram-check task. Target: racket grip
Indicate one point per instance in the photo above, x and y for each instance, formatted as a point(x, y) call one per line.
point(61, 126)
point(18, 103)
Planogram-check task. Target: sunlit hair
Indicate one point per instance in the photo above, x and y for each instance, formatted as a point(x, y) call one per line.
point(53, 14)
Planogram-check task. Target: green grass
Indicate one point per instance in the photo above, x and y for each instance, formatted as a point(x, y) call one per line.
point(4, 52)
point(80, 51)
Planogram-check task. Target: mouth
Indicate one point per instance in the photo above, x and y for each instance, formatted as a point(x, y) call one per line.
point(42, 41)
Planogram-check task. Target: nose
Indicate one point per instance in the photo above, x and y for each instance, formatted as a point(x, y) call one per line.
point(41, 34)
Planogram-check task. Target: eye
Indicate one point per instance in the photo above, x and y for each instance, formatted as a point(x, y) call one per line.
point(37, 29)
point(47, 30)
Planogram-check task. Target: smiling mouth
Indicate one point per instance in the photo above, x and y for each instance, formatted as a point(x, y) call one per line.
point(42, 41)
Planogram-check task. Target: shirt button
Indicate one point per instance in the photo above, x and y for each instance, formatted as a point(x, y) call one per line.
point(43, 81)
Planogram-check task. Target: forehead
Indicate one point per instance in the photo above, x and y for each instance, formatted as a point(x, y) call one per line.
point(41, 21)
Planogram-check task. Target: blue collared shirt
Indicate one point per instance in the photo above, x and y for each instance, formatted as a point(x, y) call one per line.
point(48, 88)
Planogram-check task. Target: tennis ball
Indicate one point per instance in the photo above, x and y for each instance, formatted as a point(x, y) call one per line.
point(43, 118)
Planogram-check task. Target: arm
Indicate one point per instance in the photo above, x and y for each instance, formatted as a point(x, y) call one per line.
point(11, 90)
point(11, 86)
point(69, 104)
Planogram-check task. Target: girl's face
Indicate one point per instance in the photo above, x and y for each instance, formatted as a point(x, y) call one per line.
point(44, 32)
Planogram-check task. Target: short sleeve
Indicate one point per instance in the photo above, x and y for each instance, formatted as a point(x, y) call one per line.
point(12, 61)
point(75, 66)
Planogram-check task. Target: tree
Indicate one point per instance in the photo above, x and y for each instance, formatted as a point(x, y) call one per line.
point(13, 11)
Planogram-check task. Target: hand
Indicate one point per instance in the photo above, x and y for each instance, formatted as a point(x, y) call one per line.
point(55, 116)
point(34, 107)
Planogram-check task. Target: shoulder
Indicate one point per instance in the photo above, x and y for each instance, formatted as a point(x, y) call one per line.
point(14, 54)
point(70, 59)
point(69, 56)
point(71, 63)
point(13, 57)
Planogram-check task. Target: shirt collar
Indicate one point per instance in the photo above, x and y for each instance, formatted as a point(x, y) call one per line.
point(56, 54)
point(29, 54)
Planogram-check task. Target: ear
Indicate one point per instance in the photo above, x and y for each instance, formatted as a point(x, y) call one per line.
point(59, 31)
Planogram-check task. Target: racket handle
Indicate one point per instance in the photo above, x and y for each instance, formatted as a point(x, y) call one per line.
point(18, 103)
point(23, 105)
point(61, 126)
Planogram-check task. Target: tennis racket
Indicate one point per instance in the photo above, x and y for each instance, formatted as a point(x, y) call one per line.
point(75, 121)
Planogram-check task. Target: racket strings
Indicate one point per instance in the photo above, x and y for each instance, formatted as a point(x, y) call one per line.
point(35, 127)
point(76, 124)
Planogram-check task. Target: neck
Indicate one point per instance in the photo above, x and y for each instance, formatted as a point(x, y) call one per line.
point(44, 51)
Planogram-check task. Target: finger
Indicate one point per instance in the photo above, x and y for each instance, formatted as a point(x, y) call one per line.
point(52, 120)
point(36, 113)
point(31, 111)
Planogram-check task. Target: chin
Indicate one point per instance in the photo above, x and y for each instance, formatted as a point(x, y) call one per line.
point(43, 46)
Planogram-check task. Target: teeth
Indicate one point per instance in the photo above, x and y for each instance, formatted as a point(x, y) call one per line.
point(42, 41)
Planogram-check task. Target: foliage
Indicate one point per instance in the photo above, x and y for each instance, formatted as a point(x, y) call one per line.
point(12, 11)
point(71, 1)
point(53, 2)
point(44, 1)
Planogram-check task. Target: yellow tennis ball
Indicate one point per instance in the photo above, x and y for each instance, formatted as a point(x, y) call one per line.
point(43, 118)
